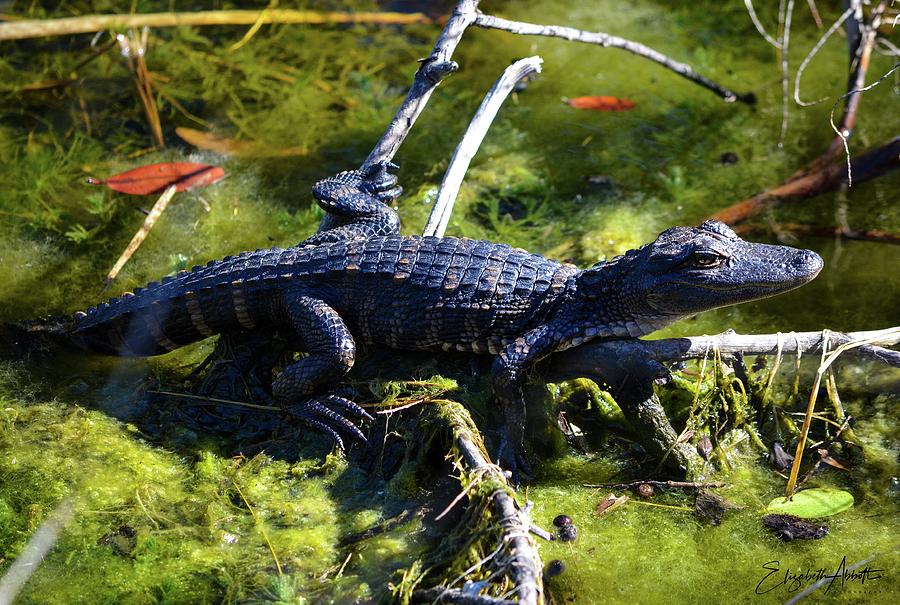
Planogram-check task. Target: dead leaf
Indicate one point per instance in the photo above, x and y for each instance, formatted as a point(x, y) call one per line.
point(154, 178)
point(219, 144)
point(601, 103)
point(830, 460)
point(609, 503)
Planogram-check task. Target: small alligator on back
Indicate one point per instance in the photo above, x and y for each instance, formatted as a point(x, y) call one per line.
point(359, 280)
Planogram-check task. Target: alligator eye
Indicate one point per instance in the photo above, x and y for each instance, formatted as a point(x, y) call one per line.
point(706, 260)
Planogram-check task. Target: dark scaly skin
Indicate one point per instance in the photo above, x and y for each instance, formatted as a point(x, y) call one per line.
point(358, 280)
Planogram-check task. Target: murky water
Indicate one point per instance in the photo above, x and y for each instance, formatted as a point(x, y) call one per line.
point(165, 512)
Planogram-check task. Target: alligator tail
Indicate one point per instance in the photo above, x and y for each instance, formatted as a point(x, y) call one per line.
point(36, 337)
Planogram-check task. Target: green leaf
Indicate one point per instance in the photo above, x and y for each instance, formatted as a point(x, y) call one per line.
point(813, 503)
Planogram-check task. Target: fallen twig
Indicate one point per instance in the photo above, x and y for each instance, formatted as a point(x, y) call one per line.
point(471, 141)
point(88, 24)
point(432, 70)
point(139, 237)
point(134, 49)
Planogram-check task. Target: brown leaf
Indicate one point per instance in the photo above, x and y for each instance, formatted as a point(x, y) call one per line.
point(154, 178)
point(219, 144)
point(609, 503)
point(830, 460)
point(601, 103)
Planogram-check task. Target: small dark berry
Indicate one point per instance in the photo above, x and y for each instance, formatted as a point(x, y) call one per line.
point(554, 568)
point(568, 533)
point(729, 157)
point(562, 520)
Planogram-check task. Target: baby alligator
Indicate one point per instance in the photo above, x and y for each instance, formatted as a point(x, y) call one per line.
point(359, 280)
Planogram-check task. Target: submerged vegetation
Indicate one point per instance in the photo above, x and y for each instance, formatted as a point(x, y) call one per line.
point(184, 501)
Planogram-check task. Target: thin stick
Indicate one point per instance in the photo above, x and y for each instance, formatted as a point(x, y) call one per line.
point(679, 484)
point(859, 64)
point(139, 237)
point(259, 524)
point(32, 555)
point(471, 141)
point(134, 49)
point(842, 133)
point(606, 40)
point(759, 27)
point(241, 404)
point(89, 24)
point(785, 42)
point(812, 53)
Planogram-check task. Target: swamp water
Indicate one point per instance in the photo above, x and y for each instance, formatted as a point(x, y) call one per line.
point(170, 505)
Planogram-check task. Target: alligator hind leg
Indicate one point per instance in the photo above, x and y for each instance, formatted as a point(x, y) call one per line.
point(358, 204)
point(302, 388)
point(240, 367)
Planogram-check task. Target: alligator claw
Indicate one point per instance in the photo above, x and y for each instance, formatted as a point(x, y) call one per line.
point(381, 183)
point(325, 413)
point(348, 405)
point(512, 459)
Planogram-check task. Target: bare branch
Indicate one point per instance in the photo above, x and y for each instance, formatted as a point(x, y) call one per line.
point(597, 360)
point(524, 565)
point(434, 68)
point(606, 40)
point(471, 141)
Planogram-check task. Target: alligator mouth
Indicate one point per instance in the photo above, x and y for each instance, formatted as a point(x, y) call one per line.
point(781, 286)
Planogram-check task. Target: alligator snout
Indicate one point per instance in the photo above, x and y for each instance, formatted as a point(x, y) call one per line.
point(808, 263)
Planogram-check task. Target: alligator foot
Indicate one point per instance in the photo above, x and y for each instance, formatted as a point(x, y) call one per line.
point(512, 460)
point(380, 183)
point(327, 413)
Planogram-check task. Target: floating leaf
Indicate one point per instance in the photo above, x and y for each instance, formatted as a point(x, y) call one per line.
point(601, 103)
point(155, 178)
point(813, 503)
point(213, 142)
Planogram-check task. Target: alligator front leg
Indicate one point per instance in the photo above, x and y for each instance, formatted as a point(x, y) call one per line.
point(358, 205)
point(509, 373)
point(303, 388)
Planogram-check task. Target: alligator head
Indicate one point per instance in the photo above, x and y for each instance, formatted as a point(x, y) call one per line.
point(688, 270)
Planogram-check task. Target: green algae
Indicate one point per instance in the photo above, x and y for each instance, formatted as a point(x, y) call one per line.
point(210, 524)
